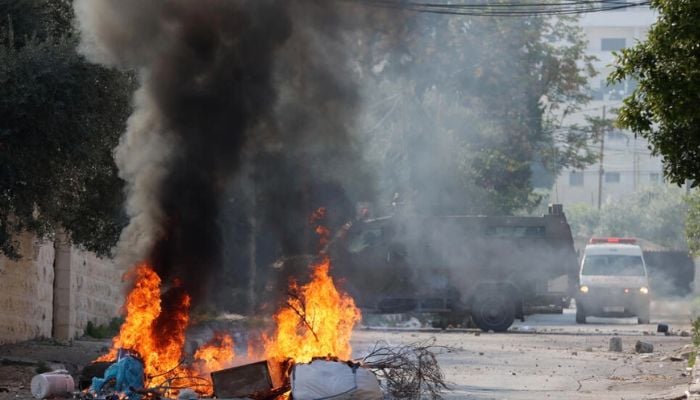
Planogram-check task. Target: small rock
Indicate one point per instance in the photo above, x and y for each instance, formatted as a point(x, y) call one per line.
point(662, 328)
point(477, 333)
point(481, 354)
point(615, 344)
point(589, 349)
point(685, 333)
point(513, 373)
point(574, 353)
point(643, 347)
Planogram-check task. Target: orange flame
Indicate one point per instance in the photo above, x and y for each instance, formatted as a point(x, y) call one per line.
point(215, 355)
point(155, 326)
point(142, 307)
point(317, 321)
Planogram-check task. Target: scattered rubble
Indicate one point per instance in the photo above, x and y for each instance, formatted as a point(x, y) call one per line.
point(643, 347)
point(615, 344)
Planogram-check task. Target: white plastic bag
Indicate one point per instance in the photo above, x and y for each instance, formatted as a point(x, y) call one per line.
point(335, 380)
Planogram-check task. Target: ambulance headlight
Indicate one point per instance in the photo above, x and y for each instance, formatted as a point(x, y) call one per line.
point(583, 289)
point(644, 290)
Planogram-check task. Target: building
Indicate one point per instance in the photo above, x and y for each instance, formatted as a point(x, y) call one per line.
point(627, 161)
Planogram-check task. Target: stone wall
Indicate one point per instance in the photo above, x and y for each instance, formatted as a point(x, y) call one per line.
point(54, 290)
point(26, 292)
point(97, 290)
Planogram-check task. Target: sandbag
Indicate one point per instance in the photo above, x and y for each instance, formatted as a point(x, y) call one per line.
point(335, 380)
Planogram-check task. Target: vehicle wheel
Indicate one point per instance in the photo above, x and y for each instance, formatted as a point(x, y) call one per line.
point(493, 311)
point(580, 315)
point(643, 315)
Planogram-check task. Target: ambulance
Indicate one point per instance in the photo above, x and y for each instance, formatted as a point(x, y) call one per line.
point(613, 280)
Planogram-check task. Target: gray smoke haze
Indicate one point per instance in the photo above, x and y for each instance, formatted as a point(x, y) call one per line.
point(221, 82)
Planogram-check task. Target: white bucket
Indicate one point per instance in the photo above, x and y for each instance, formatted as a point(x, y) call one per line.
point(52, 384)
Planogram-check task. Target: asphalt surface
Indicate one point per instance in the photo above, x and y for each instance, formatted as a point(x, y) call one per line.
point(550, 356)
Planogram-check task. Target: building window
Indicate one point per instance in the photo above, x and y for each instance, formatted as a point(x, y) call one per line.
point(575, 178)
point(612, 44)
point(654, 177)
point(612, 177)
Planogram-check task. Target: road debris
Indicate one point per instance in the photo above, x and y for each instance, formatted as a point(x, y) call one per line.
point(615, 344)
point(52, 384)
point(643, 347)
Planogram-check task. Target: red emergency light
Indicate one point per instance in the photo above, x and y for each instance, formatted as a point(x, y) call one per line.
point(598, 240)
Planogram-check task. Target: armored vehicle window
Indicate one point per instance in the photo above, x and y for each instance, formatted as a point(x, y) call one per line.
point(613, 265)
point(515, 231)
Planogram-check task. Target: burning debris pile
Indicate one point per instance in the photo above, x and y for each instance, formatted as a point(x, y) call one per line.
point(309, 344)
point(307, 354)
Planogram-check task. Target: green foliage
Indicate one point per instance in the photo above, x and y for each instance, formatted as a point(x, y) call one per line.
point(654, 214)
point(42, 367)
point(692, 358)
point(103, 331)
point(466, 108)
point(664, 106)
point(692, 223)
point(60, 118)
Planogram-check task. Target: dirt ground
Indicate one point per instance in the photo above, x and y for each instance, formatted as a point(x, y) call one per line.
point(21, 361)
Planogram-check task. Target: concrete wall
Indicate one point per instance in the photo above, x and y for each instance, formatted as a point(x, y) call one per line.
point(54, 290)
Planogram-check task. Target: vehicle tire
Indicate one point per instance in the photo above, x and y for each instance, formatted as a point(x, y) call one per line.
point(493, 311)
point(643, 315)
point(580, 315)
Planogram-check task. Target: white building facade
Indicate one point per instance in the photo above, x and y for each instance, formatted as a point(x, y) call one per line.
point(627, 161)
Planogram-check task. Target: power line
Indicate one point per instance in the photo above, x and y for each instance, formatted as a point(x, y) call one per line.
point(507, 9)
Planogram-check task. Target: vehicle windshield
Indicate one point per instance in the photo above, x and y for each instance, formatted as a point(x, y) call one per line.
point(613, 265)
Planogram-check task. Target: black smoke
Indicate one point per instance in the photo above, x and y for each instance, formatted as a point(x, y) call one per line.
point(223, 83)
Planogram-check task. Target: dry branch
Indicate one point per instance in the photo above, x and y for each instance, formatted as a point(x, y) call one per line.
point(409, 371)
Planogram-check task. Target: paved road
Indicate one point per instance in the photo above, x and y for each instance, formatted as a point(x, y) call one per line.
point(550, 356)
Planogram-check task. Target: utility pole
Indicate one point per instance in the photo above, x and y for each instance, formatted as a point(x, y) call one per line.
point(601, 131)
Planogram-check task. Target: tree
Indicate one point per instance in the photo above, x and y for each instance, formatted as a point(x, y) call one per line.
point(663, 107)
point(653, 213)
point(475, 106)
point(60, 118)
point(692, 223)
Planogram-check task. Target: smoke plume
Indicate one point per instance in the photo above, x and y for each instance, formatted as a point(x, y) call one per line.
point(220, 80)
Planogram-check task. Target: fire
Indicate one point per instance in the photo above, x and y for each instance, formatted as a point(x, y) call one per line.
point(154, 328)
point(215, 355)
point(142, 307)
point(317, 321)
